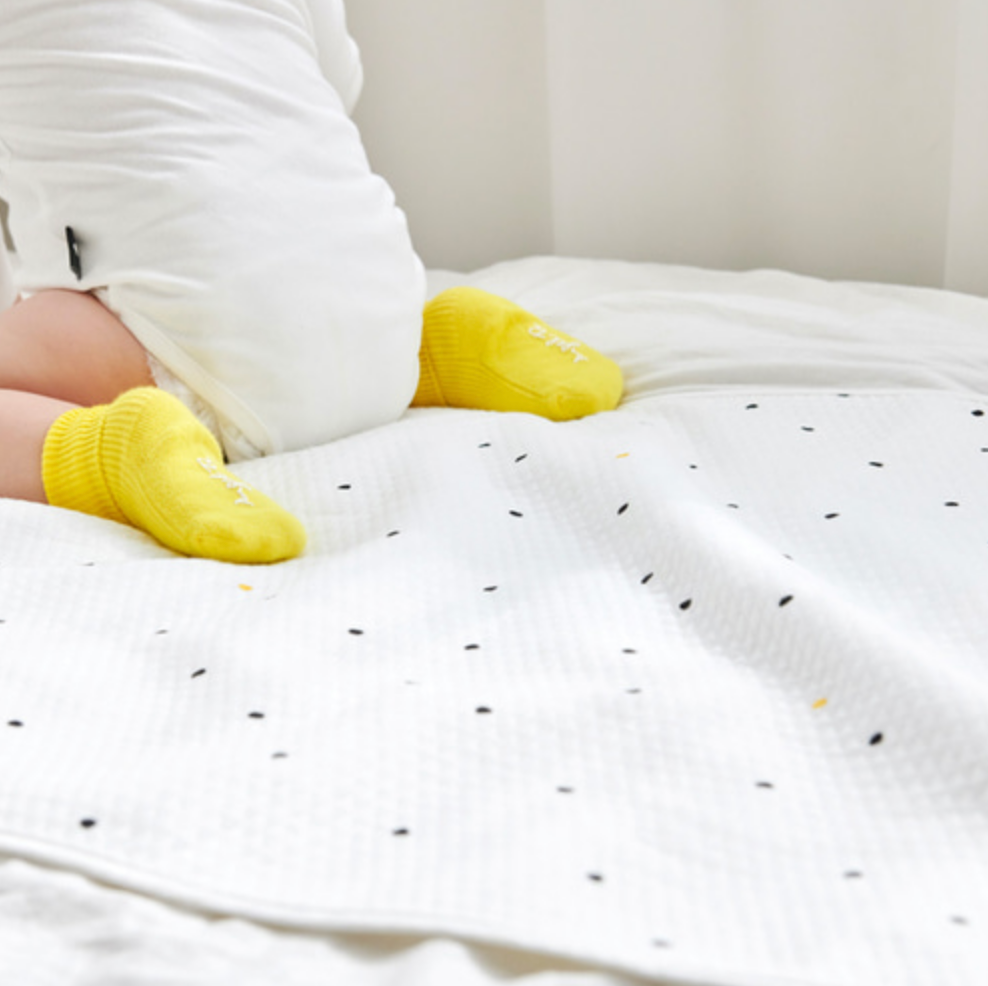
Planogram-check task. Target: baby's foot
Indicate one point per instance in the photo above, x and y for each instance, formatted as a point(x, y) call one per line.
point(145, 460)
point(484, 352)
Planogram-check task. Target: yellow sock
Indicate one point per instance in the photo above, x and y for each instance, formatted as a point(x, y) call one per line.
point(145, 460)
point(484, 352)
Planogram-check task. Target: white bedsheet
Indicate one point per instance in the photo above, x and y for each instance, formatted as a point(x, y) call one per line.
point(693, 691)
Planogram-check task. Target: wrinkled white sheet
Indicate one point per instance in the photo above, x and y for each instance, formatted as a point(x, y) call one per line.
point(692, 691)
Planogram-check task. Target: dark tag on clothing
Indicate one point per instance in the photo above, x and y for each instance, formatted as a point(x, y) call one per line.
point(75, 255)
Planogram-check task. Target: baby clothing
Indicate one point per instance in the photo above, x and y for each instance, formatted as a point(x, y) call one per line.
point(193, 163)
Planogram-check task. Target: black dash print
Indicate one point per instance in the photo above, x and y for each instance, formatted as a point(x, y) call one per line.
point(255, 715)
point(767, 785)
point(472, 647)
point(661, 943)
point(752, 407)
point(853, 875)
point(483, 710)
point(693, 465)
point(484, 445)
point(876, 739)
point(596, 877)
point(393, 534)
point(400, 832)
point(785, 600)
point(734, 506)
point(160, 633)
point(832, 516)
point(648, 578)
point(15, 724)
point(877, 465)
point(951, 503)
point(354, 632)
point(490, 588)
point(957, 919)
point(632, 691)
point(199, 673)
point(978, 413)
point(629, 650)
point(686, 604)
point(623, 508)
point(344, 486)
point(279, 755)
point(565, 790)
point(516, 513)
point(522, 458)
point(87, 823)
point(808, 428)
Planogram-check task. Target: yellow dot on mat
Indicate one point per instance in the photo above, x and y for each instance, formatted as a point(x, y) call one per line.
point(820, 703)
point(246, 588)
point(624, 455)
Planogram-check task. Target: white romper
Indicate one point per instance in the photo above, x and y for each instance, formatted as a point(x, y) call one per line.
point(193, 163)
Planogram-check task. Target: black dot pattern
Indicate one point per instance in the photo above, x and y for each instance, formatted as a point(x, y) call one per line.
point(678, 657)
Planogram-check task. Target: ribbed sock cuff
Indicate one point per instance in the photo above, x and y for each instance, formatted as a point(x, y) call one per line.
point(428, 392)
point(440, 352)
point(72, 464)
point(449, 375)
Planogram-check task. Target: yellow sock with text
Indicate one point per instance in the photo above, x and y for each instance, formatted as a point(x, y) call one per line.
point(145, 460)
point(481, 351)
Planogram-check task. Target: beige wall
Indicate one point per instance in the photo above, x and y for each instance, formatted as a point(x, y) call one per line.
point(454, 115)
point(807, 135)
point(843, 139)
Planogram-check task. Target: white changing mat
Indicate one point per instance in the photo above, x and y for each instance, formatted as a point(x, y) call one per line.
point(694, 689)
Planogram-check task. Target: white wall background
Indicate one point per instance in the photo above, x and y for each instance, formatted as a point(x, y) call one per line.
point(839, 138)
point(454, 113)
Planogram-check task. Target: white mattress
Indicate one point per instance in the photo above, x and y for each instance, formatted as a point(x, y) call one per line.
point(692, 691)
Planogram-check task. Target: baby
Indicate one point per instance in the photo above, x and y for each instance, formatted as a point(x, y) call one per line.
point(210, 271)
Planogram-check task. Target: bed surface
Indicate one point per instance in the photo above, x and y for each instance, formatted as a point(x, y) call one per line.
point(692, 691)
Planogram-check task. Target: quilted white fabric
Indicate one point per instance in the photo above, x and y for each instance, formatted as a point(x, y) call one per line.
point(693, 690)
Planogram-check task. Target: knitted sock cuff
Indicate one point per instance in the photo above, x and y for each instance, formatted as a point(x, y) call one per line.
point(428, 392)
point(447, 373)
point(72, 464)
point(439, 357)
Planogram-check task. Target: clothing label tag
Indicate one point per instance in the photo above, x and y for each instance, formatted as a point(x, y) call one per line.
point(75, 256)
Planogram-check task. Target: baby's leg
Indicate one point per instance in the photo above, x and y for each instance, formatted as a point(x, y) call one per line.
point(67, 345)
point(81, 428)
point(58, 350)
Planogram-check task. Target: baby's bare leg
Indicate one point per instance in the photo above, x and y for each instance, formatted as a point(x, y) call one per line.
point(58, 350)
point(67, 345)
